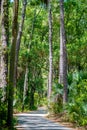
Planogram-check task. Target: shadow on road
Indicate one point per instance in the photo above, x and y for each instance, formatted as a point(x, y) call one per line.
point(36, 120)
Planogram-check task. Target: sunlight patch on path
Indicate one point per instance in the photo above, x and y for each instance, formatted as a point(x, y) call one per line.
point(25, 114)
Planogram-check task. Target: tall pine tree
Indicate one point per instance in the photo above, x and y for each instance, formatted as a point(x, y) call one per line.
point(63, 54)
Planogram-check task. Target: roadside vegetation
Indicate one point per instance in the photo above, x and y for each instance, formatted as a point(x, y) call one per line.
point(43, 59)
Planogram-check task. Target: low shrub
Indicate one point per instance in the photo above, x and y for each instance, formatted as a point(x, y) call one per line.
point(77, 106)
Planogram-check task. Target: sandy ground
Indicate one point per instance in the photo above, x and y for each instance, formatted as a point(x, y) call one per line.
point(59, 120)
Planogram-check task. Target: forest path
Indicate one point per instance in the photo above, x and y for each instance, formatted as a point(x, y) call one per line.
point(36, 120)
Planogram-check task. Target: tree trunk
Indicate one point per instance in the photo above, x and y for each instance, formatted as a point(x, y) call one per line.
point(50, 50)
point(31, 98)
point(12, 64)
point(25, 86)
point(4, 44)
point(26, 74)
point(0, 6)
point(63, 54)
point(19, 37)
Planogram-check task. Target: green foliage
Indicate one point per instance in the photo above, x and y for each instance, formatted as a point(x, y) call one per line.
point(43, 101)
point(56, 107)
point(77, 113)
point(34, 50)
point(77, 107)
point(75, 14)
point(39, 100)
point(57, 89)
point(56, 103)
point(3, 111)
point(3, 114)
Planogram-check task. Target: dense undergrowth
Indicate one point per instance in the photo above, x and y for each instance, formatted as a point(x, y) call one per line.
point(75, 110)
point(3, 111)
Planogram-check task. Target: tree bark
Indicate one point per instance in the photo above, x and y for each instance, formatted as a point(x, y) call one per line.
point(4, 44)
point(63, 54)
point(0, 6)
point(25, 86)
point(31, 96)
point(12, 64)
point(50, 50)
point(19, 37)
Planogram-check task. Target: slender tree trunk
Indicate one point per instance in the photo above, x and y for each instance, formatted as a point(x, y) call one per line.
point(4, 44)
point(0, 6)
point(63, 54)
point(31, 99)
point(50, 50)
point(12, 64)
point(27, 70)
point(32, 30)
point(19, 37)
point(25, 86)
point(0, 45)
point(26, 74)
